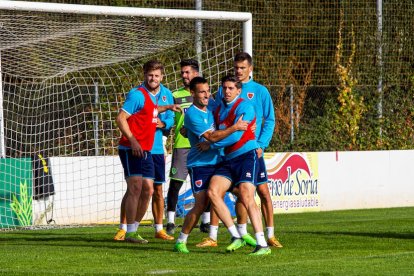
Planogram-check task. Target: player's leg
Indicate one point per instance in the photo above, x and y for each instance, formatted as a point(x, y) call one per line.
point(205, 220)
point(134, 168)
point(219, 184)
point(120, 234)
point(158, 197)
point(266, 203)
point(178, 175)
point(144, 200)
point(244, 169)
point(242, 215)
point(211, 240)
point(200, 178)
point(172, 198)
point(134, 189)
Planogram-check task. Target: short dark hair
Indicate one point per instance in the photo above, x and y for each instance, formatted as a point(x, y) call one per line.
point(195, 81)
point(242, 56)
point(231, 78)
point(152, 65)
point(190, 62)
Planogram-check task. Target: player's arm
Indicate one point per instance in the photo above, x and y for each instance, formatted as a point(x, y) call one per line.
point(217, 135)
point(122, 122)
point(269, 120)
point(172, 107)
point(248, 115)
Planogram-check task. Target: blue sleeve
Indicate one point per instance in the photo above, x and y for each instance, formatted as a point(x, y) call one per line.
point(168, 118)
point(268, 118)
point(196, 124)
point(134, 101)
point(247, 110)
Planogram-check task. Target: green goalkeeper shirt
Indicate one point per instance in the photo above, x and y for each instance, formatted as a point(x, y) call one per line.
point(184, 99)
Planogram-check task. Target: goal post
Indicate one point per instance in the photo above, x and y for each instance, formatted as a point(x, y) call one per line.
point(65, 71)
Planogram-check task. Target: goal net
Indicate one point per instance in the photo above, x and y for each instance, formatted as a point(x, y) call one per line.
point(65, 71)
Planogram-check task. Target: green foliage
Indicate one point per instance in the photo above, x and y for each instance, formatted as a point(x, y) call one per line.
point(355, 242)
point(22, 207)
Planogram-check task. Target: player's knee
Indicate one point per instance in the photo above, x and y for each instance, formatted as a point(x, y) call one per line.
point(157, 195)
point(134, 190)
point(213, 194)
point(263, 193)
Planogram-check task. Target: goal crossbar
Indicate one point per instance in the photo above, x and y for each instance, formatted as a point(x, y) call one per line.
point(244, 17)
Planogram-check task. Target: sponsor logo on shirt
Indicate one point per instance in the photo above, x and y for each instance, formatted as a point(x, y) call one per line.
point(154, 115)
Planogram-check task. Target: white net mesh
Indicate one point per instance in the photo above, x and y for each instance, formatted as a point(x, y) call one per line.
point(64, 78)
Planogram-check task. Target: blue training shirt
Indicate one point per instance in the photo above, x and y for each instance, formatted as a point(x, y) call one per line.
point(197, 122)
point(163, 97)
point(244, 109)
point(259, 97)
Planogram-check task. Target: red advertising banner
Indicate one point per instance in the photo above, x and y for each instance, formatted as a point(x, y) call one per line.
point(293, 182)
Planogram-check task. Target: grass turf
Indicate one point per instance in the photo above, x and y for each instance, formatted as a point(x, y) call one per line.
point(363, 242)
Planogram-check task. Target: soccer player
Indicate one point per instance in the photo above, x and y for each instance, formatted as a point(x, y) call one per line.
point(239, 167)
point(138, 120)
point(199, 122)
point(259, 96)
point(181, 147)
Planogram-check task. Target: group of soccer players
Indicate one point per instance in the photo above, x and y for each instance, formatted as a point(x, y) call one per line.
point(224, 151)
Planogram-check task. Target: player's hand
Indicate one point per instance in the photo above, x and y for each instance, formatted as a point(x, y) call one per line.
point(259, 152)
point(183, 132)
point(240, 124)
point(203, 146)
point(176, 108)
point(160, 124)
point(136, 149)
point(253, 127)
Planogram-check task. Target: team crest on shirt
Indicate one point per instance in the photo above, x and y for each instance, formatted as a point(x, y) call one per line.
point(198, 183)
point(250, 95)
point(164, 98)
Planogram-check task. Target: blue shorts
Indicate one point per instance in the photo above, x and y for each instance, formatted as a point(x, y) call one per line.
point(261, 171)
point(159, 168)
point(200, 177)
point(243, 168)
point(134, 166)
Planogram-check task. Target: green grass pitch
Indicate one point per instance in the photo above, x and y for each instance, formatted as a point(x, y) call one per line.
point(356, 242)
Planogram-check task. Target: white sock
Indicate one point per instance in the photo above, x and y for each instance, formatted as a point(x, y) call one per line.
point(261, 239)
point(131, 228)
point(242, 228)
point(123, 226)
point(205, 217)
point(170, 217)
point(136, 225)
point(233, 231)
point(158, 227)
point(270, 232)
point(213, 232)
point(182, 237)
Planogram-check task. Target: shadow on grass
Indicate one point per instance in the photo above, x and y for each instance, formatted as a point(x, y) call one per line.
point(85, 240)
point(388, 235)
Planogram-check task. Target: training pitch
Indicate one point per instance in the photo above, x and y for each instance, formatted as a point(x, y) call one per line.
point(362, 242)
